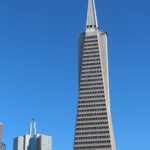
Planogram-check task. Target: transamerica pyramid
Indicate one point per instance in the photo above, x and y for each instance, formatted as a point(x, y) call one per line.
point(94, 129)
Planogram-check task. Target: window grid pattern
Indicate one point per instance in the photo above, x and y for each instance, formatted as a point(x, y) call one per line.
point(92, 127)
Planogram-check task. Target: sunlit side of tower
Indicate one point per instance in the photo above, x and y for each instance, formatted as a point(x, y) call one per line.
point(94, 129)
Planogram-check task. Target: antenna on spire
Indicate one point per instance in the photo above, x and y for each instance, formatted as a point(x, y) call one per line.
point(34, 127)
point(32, 130)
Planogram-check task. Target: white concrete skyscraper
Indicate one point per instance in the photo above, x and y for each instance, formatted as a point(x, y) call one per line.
point(94, 129)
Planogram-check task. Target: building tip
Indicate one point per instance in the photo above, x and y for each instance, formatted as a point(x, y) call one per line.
point(91, 23)
point(32, 130)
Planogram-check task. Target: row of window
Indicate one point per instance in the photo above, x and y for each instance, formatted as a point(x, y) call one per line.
point(92, 147)
point(92, 110)
point(91, 72)
point(90, 92)
point(92, 123)
point(93, 114)
point(91, 88)
point(91, 76)
point(92, 68)
point(91, 56)
point(90, 41)
point(91, 64)
point(92, 137)
point(92, 119)
point(90, 26)
point(92, 132)
point(93, 105)
point(91, 48)
point(90, 84)
point(92, 128)
point(93, 142)
point(91, 60)
point(91, 51)
point(91, 80)
point(91, 37)
point(92, 97)
point(92, 101)
point(87, 45)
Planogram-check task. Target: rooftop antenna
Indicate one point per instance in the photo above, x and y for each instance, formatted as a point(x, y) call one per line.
point(34, 127)
point(32, 130)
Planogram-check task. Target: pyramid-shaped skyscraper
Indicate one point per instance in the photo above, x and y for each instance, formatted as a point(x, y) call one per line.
point(94, 129)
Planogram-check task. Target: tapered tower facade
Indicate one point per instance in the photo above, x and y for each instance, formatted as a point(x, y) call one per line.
point(94, 129)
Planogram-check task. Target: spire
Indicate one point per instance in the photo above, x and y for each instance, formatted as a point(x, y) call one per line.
point(32, 130)
point(91, 23)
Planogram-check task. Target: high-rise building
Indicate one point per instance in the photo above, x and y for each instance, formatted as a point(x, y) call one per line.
point(22, 142)
point(33, 141)
point(2, 145)
point(43, 142)
point(94, 129)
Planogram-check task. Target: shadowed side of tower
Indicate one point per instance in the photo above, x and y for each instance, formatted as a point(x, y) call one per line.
point(94, 129)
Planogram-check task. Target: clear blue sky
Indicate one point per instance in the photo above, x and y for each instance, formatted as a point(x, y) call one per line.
point(38, 68)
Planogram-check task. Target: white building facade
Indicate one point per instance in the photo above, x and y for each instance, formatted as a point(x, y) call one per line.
point(22, 142)
point(43, 142)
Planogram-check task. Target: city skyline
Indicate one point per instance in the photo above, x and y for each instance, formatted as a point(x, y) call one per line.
point(32, 140)
point(35, 36)
point(37, 142)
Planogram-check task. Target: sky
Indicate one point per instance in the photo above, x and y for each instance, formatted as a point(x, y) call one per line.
point(39, 68)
